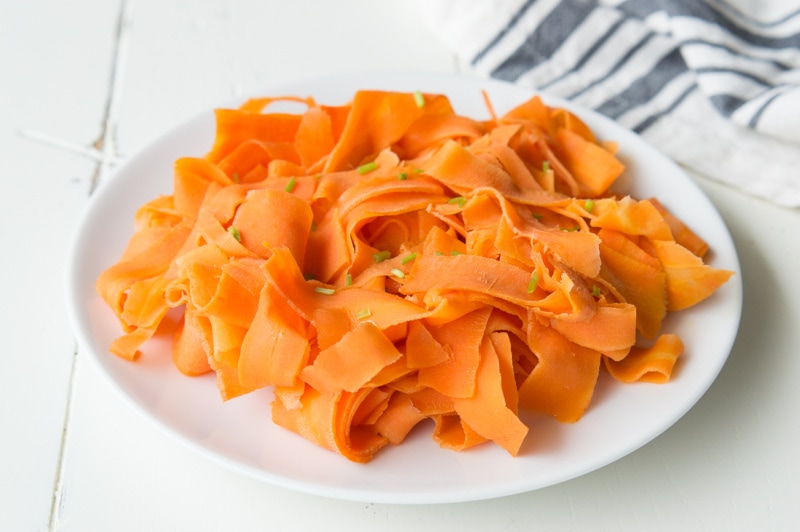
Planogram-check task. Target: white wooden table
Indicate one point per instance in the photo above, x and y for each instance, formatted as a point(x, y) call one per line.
point(84, 83)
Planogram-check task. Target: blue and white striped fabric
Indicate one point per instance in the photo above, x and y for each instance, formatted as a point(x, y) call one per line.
point(714, 84)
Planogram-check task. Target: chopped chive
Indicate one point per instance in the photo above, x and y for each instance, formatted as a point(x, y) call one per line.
point(318, 176)
point(381, 256)
point(236, 233)
point(402, 176)
point(533, 282)
point(588, 205)
point(538, 216)
point(235, 177)
point(324, 290)
point(458, 200)
point(408, 258)
point(596, 291)
point(397, 273)
point(455, 252)
point(290, 185)
point(363, 314)
point(438, 253)
point(545, 166)
point(419, 99)
point(576, 227)
point(367, 168)
point(308, 276)
point(418, 170)
point(313, 226)
point(348, 281)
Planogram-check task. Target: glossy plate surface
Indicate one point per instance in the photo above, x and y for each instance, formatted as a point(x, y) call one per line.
point(240, 433)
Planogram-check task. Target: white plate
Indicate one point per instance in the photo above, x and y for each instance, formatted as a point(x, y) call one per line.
point(240, 433)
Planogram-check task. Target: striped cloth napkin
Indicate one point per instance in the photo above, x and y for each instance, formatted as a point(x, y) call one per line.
point(714, 84)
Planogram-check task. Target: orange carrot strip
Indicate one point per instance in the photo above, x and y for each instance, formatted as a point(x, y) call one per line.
point(235, 127)
point(377, 120)
point(450, 432)
point(422, 349)
point(190, 351)
point(229, 292)
point(680, 231)
point(399, 418)
point(516, 362)
point(515, 166)
point(331, 325)
point(561, 118)
point(433, 129)
point(469, 273)
point(148, 254)
point(352, 362)
point(689, 281)
point(563, 380)
point(385, 309)
point(486, 411)
point(612, 329)
point(594, 167)
point(652, 364)
point(463, 172)
point(630, 217)
point(638, 277)
point(276, 347)
point(328, 251)
point(325, 419)
point(533, 110)
point(226, 341)
point(143, 311)
point(191, 181)
point(372, 407)
point(239, 164)
point(314, 138)
point(456, 376)
point(295, 216)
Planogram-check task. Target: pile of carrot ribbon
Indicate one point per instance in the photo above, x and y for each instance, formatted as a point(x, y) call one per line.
point(389, 261)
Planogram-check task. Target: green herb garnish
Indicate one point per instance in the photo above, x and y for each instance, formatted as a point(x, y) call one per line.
point(458, 200)
point(236, 233)
point(367, 168)
point(419, 99)
point(408, 258)
point(533, 282)
point(290, 185)
point(324, 290)
point(381, 256)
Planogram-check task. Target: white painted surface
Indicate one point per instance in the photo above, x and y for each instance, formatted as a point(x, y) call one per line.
point(730, 464)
